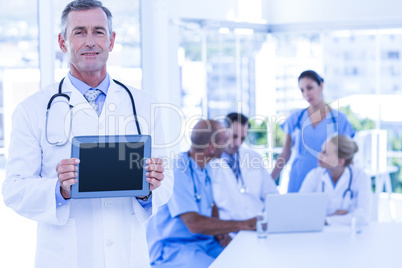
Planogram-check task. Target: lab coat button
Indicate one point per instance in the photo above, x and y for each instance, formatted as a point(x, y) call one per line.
point(59, 204)
point(109, 243)
point(108, 204)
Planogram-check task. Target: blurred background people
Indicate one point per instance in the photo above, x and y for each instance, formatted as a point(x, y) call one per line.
point(349, 188)
point(307, 129)
point(186, 232)
point(240, 182)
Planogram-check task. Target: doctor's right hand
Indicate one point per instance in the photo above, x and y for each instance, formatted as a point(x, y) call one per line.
point(66, 174)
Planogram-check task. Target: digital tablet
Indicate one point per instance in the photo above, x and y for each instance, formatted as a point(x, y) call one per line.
point(111, 166)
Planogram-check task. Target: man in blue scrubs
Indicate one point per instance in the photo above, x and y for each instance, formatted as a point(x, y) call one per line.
point(186, 232)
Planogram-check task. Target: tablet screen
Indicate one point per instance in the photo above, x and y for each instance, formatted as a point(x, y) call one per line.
point(111, 166)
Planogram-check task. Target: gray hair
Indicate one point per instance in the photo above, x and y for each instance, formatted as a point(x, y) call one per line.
point(83, 5)
point(346, 147)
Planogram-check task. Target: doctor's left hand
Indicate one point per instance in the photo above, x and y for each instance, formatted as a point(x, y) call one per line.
point(154, 168)
point(223, 239)
point(340, 212)
point(66, 174)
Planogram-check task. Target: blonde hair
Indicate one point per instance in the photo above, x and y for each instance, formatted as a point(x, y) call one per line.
point(345, 147)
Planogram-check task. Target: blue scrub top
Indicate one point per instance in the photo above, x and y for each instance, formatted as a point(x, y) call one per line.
point(307, 141)
point(166, 230)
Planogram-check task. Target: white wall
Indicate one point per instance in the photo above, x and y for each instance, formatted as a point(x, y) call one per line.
point(204, 9)
point(243, 10)
point(161, 76)
point(347, 12)
point(373, 13)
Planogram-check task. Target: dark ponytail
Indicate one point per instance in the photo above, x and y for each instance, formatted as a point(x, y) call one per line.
point(312, 75)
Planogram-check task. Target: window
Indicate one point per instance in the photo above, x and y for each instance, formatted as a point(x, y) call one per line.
point(19, 77)
point(19, 58)
point(362, 74)
point(222, 68)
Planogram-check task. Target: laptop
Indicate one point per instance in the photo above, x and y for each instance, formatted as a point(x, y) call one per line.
point(296, 212)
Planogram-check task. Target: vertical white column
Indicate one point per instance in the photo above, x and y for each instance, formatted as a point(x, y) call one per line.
point(204, 61)
point(161, 76)
point(378, 78)
point(46, 41)
point(239, 78)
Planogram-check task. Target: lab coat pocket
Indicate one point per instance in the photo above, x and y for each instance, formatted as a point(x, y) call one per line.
point(139, 248)
point(57, 245)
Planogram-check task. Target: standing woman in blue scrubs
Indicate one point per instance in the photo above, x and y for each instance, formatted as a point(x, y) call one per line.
point(307, 129)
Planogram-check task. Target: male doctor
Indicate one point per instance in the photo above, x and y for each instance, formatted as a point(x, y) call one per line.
point(98, 232)
point(240, 182)
point(186, 232)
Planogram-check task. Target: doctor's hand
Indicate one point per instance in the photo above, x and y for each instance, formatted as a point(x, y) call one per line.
point(66, 173)
point(154, 168)
point(250, 224)
point(223, 239)
point(340, 212)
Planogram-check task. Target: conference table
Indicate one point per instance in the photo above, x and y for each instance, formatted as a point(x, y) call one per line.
point(378, 245)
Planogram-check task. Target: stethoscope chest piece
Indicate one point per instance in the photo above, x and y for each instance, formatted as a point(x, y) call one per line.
point(243, 190)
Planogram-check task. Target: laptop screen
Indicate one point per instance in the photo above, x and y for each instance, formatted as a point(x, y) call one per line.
point(296, 212)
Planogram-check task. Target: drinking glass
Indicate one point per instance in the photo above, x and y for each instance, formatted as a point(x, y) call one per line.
point(262, 225)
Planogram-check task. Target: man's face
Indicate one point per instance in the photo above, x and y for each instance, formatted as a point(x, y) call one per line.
point(237, 135)
point(87, 41)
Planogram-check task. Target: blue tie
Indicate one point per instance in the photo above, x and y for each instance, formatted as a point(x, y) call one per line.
point(234, 164)
point(91, 96)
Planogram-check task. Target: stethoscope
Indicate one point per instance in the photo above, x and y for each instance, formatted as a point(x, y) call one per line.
point(197, 196)
point(332, 117)
point(61, 94)
point(243, 189)
point(348, 190)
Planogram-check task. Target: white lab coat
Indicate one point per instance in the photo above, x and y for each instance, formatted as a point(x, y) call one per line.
point(359, 206)
point(226, 188)
point(107, 232)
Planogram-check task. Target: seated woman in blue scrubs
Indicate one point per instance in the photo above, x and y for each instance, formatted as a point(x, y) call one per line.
point(307, 129)
point(348, 187)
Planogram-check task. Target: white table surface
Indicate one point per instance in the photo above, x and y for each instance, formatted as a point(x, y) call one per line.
point(378, 245)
